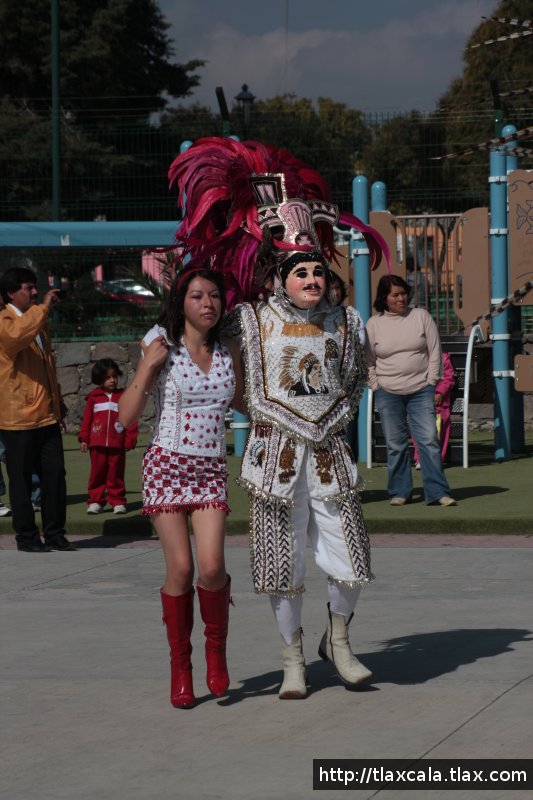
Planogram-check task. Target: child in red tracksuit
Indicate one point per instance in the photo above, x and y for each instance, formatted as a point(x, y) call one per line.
point(106, 439)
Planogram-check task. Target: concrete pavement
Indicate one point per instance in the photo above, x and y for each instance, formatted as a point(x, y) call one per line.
point(446, 629)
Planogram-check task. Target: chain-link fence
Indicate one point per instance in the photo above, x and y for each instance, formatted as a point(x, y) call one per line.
point(117, 170)
point(107, 294)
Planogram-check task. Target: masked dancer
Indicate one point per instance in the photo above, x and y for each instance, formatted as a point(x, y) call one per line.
point(262, 217)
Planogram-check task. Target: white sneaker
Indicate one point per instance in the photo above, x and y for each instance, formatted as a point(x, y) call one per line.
point(94, 508)
point(119, 510)
point(417, 465)
point(398, 501)
point(4, 510)
point(447, 501)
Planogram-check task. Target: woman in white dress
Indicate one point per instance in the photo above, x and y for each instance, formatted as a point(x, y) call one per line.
point(189, 372)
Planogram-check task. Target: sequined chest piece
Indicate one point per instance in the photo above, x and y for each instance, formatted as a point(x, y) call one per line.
point(302, 362)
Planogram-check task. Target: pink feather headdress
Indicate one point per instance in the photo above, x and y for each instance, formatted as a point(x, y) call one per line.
point(232, 191)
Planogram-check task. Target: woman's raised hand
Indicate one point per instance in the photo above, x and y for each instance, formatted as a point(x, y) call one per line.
point(155, 353)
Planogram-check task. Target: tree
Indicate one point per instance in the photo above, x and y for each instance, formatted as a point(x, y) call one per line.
point(187, 123)
point(88, 167)
point(329, 136)
point(116, 68)
point(468, 106)
point(399, 155)
point(115, 56)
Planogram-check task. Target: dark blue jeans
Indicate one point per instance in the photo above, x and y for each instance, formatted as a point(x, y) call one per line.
point(41, 450)
point(414, 413)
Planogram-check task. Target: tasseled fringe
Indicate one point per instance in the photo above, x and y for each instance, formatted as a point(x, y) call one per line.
point(172, 508)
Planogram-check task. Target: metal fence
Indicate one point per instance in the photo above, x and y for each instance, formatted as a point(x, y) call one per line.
point(117, 293)
point(117, 170)
point(108, 293)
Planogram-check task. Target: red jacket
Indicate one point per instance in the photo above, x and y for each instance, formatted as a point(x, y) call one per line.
point(100, 426)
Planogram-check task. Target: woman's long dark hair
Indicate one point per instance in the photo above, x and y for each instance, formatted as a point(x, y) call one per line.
point(384, 289)
point(173, 317)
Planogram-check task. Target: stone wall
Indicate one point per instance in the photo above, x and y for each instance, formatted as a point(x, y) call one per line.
point(482, 415)
point(75, 361)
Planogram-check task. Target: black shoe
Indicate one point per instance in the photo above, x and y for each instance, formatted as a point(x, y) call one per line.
point(61, 543)
point(33, 547)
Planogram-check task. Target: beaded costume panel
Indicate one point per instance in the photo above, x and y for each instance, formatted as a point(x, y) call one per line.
point(303, 383)
point(302, 373)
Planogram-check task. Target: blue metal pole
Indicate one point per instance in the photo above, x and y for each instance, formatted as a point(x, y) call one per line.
point(239, 425)
point(359, 251)
point(184, 146)
point(360, 259)
point(378, 196)
point(518, 441)
point(500, 288)
point(84, 234)
point(378, 202)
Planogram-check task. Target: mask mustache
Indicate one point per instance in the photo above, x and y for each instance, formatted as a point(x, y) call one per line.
point(310, 286)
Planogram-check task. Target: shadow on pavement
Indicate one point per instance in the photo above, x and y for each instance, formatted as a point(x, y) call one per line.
point(420, 657)
point(381, 495)
point(74, 499)
point(120, 531)
point(410, 659)
point(258, 686)
point(477, 491)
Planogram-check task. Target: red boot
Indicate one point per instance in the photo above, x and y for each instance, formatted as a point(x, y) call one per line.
point(178, 617)
point(214, 608)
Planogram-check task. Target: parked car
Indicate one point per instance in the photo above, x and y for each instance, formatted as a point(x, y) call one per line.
point(127, 289)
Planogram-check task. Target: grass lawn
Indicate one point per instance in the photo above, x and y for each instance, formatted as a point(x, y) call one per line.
point(493, 498)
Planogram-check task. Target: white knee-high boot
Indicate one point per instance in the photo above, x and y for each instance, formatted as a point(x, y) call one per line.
point(288, 613)
point(335, 646)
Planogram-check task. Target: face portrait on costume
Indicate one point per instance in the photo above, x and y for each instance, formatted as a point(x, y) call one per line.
point(311, 380)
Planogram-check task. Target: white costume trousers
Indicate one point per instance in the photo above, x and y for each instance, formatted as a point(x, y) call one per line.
point(319, 521)
point(288, 610)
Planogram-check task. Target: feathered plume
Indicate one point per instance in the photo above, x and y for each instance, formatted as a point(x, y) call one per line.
point(221, 224)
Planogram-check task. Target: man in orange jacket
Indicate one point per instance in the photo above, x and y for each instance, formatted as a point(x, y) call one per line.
point(31, 412)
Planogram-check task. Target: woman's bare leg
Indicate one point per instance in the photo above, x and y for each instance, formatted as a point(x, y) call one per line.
point(173, 533)
point(209, 529)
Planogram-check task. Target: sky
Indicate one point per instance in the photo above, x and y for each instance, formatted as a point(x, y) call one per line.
point(373, 55)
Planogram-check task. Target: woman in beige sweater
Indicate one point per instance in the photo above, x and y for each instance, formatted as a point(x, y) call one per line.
point(404, 363)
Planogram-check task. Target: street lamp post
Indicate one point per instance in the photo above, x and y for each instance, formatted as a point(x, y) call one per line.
point(56, 114)
point(245, 99)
